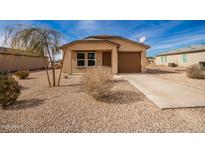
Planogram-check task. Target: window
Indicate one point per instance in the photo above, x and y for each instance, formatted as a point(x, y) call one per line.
point(86, 58)
point(91, 59)
point(162, 58)
point(80, 59)
point(165, 59)
point(80, 55)
point(184, 58)
point(81, 62)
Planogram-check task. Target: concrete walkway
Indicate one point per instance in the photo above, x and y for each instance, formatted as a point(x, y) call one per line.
point(166, 94)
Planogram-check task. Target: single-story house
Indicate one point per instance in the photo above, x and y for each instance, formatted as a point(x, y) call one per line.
point(183, 56)
point(14, 60)
point(121, 54)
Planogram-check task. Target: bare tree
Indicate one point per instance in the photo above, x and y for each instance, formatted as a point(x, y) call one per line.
point(39, 40)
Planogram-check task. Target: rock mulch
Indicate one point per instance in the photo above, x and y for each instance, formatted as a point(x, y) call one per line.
point(68, 109)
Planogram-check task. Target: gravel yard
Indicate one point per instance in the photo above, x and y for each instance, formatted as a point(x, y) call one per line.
point(178, 75)
point(68, 109)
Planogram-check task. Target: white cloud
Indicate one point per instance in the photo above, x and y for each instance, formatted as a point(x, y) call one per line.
point(5, 23)
point(160, 39)
point(155, 30)
point(1, 39)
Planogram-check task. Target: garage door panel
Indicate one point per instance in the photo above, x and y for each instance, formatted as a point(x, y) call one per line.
point(129, 62)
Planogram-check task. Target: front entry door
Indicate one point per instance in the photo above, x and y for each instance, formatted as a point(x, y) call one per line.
point(106, 59)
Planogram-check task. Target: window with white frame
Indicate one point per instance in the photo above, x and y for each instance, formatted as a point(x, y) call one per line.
point(184, 58)
point(91, 56)
point(162, 59)
point(165, 59)
point(86, 58)
point(80, 59)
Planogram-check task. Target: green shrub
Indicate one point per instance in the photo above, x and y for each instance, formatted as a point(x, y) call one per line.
point(22, 74)
point(195, 71)
point(97, 83)
point(9, 90)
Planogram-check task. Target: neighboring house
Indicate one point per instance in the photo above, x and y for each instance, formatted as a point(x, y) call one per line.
point(121, 54)
point(183, 56)
point(14, 60)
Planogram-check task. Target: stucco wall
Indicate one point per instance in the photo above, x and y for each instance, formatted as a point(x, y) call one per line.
point(192, 58)
point(13, 62)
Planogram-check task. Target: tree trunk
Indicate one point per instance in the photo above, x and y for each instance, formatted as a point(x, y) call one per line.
point(52, 63)
point(54, 76)
point(53, 70)
point(46, 68)
point(61, 69)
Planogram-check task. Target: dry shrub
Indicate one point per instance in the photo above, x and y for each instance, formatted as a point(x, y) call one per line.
point(195, 71)
point(9, 90)
point(98, 82)
point(22, 74)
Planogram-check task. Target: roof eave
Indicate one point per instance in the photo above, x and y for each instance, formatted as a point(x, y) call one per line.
point(176, 53)
point(146, 46)
point(107, 41)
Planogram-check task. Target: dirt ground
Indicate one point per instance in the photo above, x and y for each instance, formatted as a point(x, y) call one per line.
point(69, 109)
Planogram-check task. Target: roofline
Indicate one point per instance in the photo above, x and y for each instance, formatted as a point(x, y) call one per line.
point(120, 37)
point(107, 41)
point(176, 53)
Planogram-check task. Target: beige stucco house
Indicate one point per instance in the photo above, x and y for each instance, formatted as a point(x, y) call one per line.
point(183, 56)
point(15, 60)
point(121, 54)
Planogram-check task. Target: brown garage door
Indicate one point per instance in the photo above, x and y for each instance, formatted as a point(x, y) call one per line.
point(129, 62)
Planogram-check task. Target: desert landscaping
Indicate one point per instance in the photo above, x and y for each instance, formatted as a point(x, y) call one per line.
point(101, 83)
point(68, 108)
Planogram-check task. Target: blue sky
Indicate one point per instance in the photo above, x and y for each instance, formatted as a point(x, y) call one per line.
point(161, 35)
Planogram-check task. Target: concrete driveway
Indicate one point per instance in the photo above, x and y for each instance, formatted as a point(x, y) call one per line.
point(165, 93)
